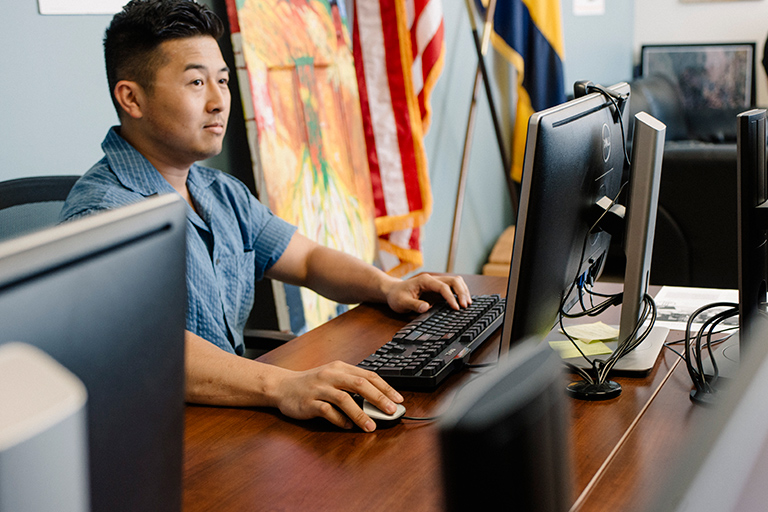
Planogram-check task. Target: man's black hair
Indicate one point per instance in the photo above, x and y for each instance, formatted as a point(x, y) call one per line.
point(132, 39)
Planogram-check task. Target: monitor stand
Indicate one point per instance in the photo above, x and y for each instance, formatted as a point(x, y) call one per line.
point(637, 363)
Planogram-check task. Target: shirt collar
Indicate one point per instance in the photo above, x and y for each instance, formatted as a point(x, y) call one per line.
point(136, 173)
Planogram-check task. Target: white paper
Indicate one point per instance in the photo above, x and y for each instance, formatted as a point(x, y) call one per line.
point(675, 304)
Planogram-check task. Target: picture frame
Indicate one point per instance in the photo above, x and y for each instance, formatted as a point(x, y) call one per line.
point(709, 75)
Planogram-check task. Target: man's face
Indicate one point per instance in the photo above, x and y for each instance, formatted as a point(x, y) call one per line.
point(186, 109)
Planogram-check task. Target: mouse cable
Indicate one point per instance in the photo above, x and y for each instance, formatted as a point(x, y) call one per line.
point(452, 400)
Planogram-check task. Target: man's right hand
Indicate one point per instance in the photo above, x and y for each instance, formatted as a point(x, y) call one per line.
point(216, 377)
point(324, 392)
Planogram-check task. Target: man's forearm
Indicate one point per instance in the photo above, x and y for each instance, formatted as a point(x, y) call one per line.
point(346, 279)
point(214, 376)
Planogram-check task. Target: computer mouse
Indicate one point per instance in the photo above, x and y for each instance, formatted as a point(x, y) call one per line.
point(381, 418)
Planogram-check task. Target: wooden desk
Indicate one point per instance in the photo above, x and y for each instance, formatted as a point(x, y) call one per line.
point(249, 459)
point(642, 464)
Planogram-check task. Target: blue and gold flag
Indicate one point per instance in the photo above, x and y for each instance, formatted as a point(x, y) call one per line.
point(529, 34)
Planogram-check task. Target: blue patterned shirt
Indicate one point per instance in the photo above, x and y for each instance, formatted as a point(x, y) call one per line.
point(232, 239)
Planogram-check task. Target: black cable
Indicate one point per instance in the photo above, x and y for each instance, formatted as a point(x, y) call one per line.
point(668, 344)
point(697, 374)
point(710, 324)
point(612, 99)
point(633, 340)
point(577, 279)
point(453, 399)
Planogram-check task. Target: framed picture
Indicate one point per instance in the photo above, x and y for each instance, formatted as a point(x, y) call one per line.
point(710, 75)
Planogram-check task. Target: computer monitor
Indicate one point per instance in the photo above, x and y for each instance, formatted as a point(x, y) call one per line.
point(105, 297)
point(574, 172)
point(752, 217)
point(752, 233)
point(505, 437)
point(574, 156)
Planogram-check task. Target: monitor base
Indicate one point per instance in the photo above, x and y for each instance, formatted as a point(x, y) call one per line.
point(583, 390)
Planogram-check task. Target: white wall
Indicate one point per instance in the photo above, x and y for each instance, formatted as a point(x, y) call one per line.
point(670, 21)
point(54, 94)
point(598, 47)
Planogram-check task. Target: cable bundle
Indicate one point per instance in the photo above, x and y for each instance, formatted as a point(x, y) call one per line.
point(596, 385)
point(704, 391)
point(596, 381)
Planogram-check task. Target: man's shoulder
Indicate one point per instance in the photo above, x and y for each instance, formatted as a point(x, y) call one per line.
point(98, 189)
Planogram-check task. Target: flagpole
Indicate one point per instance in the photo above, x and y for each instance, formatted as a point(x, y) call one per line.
point(481, 49)
point(481, 75)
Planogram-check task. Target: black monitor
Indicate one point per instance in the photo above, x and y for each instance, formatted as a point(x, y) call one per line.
point(752, 232)
point(505, 437)
point(574, 156)
point(752, 218)
point(105, 297)
point(576, 169)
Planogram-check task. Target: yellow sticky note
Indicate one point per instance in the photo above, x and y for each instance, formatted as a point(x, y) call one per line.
point(567, 350)
point(589, 333)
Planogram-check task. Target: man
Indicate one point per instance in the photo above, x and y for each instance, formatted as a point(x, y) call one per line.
point(169, 84)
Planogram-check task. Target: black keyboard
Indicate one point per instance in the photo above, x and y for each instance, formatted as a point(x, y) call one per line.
point(437, 343)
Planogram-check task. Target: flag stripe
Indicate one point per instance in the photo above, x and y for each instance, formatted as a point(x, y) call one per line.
point(381, 136)
point(405, 38)
point(370, 140)
point(542, 76)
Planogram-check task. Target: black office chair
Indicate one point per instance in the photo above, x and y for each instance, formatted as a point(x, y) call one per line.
point(29, 204)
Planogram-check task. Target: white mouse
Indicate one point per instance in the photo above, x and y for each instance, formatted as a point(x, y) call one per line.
point(380, 417)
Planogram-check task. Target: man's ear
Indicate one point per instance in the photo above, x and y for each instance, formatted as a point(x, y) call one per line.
point(130, 96)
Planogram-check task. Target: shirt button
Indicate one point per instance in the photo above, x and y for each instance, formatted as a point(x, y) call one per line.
point(218, 261)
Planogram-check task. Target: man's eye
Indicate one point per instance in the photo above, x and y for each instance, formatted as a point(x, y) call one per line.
point(197, 82)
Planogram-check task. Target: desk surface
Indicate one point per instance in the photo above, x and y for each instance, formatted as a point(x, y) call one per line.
point(239, 459)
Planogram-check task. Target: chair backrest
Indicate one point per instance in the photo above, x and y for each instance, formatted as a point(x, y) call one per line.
point(29, 204)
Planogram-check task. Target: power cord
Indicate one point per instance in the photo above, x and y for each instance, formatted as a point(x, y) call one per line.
point(595, 384)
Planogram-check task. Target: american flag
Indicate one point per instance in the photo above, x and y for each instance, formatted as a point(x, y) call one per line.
point(399, 51)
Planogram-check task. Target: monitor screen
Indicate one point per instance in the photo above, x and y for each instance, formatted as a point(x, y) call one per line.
point(574, 156)
point(105, 297)
point(712, 76)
